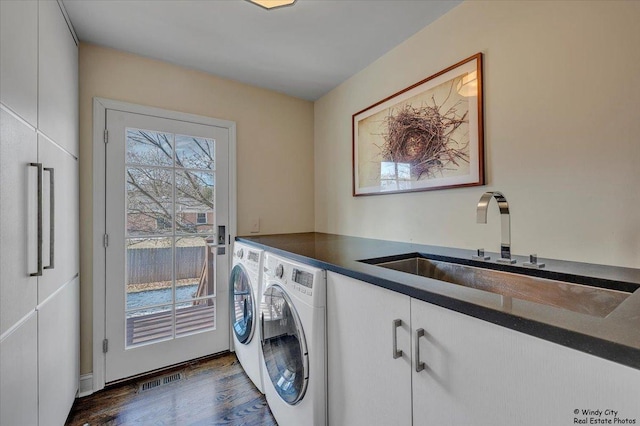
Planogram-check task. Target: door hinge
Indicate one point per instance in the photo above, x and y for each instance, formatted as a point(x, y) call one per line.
point(105, 346)
point(106, 136)
point(105, 240)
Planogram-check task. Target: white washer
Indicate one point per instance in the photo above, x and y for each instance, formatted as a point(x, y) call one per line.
point(293, 318)
point(244, 283)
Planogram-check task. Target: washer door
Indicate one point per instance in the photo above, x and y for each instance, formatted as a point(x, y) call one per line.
point(242, 304)
point(283, 345)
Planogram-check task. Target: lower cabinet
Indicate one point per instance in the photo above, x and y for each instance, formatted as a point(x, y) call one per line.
point(474, 372)
point(58, 354)
point(366, 384)
point(19, 374)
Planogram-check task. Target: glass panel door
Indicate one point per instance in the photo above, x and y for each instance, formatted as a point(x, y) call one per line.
point(284, 346)
point(170, 181)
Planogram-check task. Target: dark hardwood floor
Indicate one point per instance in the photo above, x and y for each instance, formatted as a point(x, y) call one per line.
point(214, 391)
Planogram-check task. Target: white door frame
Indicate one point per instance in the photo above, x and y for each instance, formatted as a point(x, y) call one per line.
point(100, 107)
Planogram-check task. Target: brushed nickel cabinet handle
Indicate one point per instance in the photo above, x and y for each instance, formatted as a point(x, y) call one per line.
point(52, 208)
point(39, 167)
point(394, 337)
point(419, 364)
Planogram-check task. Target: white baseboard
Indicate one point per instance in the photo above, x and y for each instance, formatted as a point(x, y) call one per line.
point(86, 385)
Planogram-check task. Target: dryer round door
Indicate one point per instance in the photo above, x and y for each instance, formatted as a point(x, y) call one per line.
point(283, 345)
point(243, 304)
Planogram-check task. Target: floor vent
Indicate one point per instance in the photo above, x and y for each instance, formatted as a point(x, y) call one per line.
point(154, 383)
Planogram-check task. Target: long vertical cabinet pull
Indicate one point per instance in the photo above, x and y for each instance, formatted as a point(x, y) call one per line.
point(39, 166)
point(394, 337)
point(419, 364)
point(52, 228)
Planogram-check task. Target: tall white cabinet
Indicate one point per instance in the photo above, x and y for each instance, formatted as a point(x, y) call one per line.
point(39, 287)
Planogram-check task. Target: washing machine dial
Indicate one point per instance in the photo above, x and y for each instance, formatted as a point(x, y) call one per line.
point(280, 271)
point(240, 253)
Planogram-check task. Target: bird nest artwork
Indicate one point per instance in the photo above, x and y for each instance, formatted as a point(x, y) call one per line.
point(423, 137)
point(428, 136)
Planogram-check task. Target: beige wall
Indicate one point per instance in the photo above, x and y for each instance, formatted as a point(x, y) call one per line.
point(274, 145)
point(562, 138)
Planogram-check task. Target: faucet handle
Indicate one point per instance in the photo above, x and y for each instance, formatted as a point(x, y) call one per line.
point(533, 262)
point(480, 255)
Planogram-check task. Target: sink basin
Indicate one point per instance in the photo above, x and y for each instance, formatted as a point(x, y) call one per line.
point(597, 300)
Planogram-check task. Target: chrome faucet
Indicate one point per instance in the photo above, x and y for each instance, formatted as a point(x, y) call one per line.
point(505, 219)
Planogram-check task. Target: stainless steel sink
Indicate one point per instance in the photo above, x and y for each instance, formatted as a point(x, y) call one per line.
point(586, 299)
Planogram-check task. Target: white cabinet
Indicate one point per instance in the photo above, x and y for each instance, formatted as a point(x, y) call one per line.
point(64, 232)
point(475, 372)
point(19, 374)
point(39, 314)
point(478, 373)
point(58, 363)
point(367, 385)
point(19, 58)
point(18, 251)
point(57, 78)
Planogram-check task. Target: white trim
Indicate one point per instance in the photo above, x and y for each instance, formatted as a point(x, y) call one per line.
point(100, 107)
point(86, 385)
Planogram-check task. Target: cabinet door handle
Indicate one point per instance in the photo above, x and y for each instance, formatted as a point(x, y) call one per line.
point(419, 364)
point(394, 336)
point(39, 167)
point(52, 208)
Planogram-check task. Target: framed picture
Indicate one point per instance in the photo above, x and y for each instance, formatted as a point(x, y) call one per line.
point(428, 136)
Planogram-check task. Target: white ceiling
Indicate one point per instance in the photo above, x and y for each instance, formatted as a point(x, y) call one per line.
point(304, 50)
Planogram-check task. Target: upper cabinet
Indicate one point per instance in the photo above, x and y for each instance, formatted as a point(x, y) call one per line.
point(57, 78)
point(19, 58)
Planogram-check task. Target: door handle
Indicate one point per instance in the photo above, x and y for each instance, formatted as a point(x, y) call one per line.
point(419, 364)
point(262, 328)
point(39, 167)
point(52, 209)
point(394, 337)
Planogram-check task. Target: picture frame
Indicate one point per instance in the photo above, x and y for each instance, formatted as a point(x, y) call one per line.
point(426, 137)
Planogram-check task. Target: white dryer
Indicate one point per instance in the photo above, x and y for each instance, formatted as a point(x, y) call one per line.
point(293, 318)
point(244, 283)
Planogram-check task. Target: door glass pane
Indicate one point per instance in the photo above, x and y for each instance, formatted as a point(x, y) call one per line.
point(195, 316)
point(194, 199)
point(151, 148)
point(149, 272)
point(149, 325)
point(283, 345)
point(149, 201)
point(194, 268)
point(195, 153)
point(170, 288)
point(243, 305)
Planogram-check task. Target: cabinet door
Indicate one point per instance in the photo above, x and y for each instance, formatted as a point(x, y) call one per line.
point(366, 384)
point(19, 375)
point(57, 78)
point(58, 354)
point(19, 58)
point(63, 235)
point(18, 220)
point(478, 373)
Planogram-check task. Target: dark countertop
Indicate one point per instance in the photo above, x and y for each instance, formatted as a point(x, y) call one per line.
point(615, 337)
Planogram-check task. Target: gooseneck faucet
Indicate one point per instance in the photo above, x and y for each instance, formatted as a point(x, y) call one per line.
point(505, 219)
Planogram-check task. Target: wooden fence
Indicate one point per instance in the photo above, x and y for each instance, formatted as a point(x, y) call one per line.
point(154, 264)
